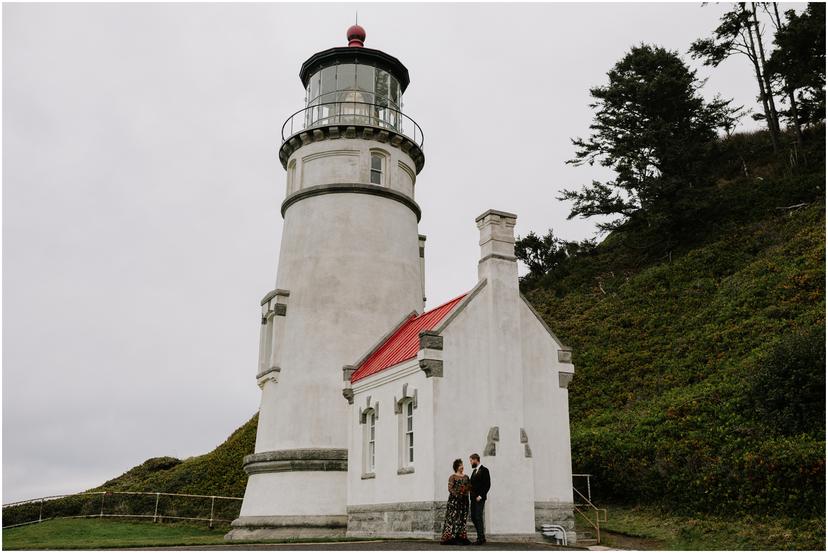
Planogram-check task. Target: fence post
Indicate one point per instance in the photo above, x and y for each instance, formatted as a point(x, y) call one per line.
point(103, 496)
point(155, 514)
point(40, 516)
point(212, 505)
point(589, 490)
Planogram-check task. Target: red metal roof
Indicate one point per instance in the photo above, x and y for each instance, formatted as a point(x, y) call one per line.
point(405, 342)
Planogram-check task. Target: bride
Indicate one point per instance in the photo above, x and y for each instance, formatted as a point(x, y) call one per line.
point(457, 507)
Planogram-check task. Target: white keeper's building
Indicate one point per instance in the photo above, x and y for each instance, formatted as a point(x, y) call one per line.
point(367, 398)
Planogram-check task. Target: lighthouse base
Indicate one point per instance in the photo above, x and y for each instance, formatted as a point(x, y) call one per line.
point(263, 528)
point(297, 493)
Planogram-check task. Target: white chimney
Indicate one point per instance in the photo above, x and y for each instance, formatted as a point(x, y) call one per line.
point(497, 247)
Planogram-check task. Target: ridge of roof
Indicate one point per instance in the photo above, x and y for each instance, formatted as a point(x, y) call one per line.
point(376, 345)
point(544, 324)
point(461, 306)
point(404, 342)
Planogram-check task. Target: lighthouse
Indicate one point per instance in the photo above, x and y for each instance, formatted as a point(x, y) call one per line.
point(367, 399)
point(350, 267)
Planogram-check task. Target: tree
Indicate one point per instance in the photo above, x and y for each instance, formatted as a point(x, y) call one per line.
point(544, 254)
point(739, 33)
point(654, 130)
point(797, 65)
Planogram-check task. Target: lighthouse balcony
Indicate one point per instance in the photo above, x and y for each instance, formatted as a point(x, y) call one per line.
point(332, 120)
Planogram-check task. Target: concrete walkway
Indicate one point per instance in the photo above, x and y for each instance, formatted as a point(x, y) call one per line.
point(373, 545)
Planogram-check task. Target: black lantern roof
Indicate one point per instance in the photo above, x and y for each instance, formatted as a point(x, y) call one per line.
point(349, 54)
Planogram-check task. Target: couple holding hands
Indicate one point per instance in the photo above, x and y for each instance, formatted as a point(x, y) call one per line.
point(462, 489)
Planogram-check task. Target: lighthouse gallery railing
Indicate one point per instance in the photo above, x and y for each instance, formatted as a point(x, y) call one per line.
point(352, 113)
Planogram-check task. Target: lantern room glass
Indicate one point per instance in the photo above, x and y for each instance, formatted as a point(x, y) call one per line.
point(351, 93)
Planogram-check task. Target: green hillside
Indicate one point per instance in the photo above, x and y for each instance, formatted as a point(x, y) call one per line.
point(700, 380)
point(216, 473)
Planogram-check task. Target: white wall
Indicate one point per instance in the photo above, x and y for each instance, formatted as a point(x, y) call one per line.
point(546, 411)
point(282, 494)
point(387, 486)
point(351, 265)
point(349, 160)
point(474, 395)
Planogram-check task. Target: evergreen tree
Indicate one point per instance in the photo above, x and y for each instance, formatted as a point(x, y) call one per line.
point(653, 128)
point(544, 254)
point(739, 33)
point(798, 63)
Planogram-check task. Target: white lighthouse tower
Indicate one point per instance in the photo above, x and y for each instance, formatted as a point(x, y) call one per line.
point(350, 267)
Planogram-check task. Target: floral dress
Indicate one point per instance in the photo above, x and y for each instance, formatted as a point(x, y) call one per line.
point(457, 510)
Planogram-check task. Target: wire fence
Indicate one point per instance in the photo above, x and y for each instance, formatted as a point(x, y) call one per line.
point(158, 506)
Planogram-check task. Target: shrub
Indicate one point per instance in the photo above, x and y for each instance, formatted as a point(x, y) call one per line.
point(788, 389)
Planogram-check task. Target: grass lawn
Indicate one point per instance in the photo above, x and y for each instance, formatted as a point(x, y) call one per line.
point(107, 534)
point(652, 528)
point(94, 533)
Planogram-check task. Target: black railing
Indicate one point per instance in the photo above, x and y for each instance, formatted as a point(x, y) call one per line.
point(352, 113)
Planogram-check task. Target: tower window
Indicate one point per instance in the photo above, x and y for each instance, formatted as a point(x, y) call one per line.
point(376, 168)
point(291, 184)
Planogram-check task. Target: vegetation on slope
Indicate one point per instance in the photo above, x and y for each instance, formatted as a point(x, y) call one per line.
point(216, 473)
point(700, 374)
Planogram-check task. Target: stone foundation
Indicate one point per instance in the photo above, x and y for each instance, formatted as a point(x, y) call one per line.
point(280, 527)
point(424, 519)
point(554, 512)
point(419, 519)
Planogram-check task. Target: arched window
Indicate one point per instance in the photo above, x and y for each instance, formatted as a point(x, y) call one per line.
point(408, 411)
point(368, 417)
point(377, 168)
point(371, 445)
point(404, 408)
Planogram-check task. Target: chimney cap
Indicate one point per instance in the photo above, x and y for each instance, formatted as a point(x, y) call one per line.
point(504, 214)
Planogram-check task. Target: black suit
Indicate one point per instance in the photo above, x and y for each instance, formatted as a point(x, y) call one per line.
point(480, 484)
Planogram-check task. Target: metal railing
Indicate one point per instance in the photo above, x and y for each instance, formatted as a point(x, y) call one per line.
point(587, 510)
point(588, 487)
point(352, 113)
point(155, 505)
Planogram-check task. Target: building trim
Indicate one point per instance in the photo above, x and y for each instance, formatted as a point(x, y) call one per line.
point(273, 293)
point(497, 255)
point(395, 372)
point(267, 372)
point(382, 340)
point(351, 188)
point(353, 131)
point(290, 521)
point(504, 214)
point(460, 307)
point(256, 528)
point(293, 460)
point(543, 323)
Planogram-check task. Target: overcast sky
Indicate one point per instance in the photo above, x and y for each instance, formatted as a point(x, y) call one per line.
point(141, 192)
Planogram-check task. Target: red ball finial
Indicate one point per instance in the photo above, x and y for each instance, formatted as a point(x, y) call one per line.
point(356, 36)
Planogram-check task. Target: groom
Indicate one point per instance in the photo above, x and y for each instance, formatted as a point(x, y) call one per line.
point(480, 484)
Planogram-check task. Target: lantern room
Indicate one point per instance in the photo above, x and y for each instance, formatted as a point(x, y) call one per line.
point(353, 87)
